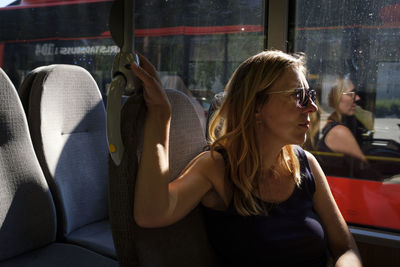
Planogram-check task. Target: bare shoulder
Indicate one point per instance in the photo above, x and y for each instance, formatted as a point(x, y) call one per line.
point(212, 163)
point(312, 161)
point(322, 194)
point(315, 167)
point(309, 155)
point(341, 139)
point(209, 164)
point(339, 132)
point(211, 157)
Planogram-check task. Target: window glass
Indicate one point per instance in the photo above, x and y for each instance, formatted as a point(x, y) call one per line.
point(353, 58)
point(35, 33)
point(195, 45)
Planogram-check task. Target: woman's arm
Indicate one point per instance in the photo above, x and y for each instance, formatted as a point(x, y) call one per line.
point(341, 243)
point(156, 202)
point(340, 139)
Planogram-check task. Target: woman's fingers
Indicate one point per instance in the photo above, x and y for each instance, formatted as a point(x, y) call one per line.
point(142, 74)
point(154, 95)
point(146, 64)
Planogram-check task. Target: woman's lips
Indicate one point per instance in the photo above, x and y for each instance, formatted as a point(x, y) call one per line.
point(305, 124)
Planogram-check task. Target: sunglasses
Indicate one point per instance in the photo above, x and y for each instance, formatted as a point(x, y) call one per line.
point(302, 95)
point(351, 94)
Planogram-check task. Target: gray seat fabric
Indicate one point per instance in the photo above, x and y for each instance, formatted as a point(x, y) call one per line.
point(66, 117)
point(184, 243)
point(27, 212)
point(175, 82)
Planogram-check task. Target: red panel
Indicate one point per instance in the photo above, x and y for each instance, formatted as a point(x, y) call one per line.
point(46, 3)
point(368, 202)
point(188, 30)
point(390, 14)
point(181, 30)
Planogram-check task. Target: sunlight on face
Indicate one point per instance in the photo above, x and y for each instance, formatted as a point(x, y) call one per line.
point(280, 120)
point(347, 103)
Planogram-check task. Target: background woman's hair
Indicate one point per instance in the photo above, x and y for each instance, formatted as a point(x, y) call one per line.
point(233, 126)
point(335, 95)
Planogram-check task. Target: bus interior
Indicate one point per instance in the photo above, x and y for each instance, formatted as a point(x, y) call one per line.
point(72, 114)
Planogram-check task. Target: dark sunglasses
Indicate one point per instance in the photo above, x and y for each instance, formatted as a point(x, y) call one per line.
point(302, 95)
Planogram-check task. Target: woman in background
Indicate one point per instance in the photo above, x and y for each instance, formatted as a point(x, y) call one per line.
point(336, 136)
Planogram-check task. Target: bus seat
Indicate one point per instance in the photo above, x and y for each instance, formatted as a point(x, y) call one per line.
point(184, 243)
point(67, 121)
point(27, 211)
point(176, 82)
point(24, 89)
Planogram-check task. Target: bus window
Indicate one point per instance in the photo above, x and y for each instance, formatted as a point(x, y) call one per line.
point(353, 59)
point(43, 32)
point(195, 46)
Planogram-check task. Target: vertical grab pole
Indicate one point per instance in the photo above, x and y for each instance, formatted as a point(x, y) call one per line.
point(115, 145)
point(124, 81)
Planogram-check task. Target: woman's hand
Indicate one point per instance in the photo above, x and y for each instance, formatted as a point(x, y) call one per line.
point(154, 96)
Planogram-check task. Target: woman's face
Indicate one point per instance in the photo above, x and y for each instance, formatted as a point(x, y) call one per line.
point(280, 121)
point(348, 100)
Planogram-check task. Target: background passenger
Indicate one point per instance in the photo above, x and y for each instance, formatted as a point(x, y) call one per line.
point(266, 201)
point(336, 136)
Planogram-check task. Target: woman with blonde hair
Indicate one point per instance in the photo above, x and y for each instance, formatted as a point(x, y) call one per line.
point(336, 136)
point(266, 201)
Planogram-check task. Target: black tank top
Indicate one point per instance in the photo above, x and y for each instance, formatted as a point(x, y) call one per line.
point(290, 235)
point(321, 144)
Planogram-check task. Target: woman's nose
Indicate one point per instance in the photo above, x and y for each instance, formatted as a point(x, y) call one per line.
point(311, 107)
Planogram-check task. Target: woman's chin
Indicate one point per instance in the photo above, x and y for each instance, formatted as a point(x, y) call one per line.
point(300, 141)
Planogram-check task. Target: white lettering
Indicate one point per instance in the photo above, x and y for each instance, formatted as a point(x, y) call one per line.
point(49, 49)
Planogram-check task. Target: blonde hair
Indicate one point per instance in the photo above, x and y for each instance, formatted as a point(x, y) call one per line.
point(335, 95)
point(312, 134)
point(233, 126)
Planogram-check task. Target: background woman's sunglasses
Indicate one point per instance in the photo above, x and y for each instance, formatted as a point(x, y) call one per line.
point(351, 94)
point(302, 95)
